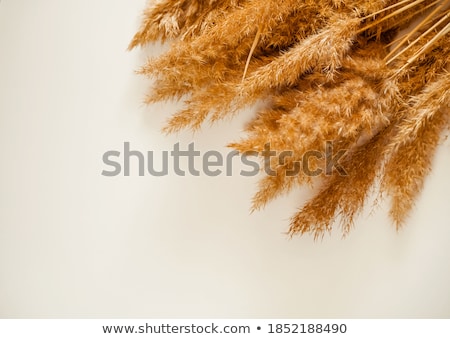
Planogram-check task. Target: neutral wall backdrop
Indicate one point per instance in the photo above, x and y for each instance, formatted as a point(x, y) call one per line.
point(74, 243)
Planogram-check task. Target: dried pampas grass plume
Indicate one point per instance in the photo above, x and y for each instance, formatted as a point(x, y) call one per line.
point(370, 76)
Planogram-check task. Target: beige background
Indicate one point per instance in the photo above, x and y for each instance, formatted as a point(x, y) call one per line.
point(76, 244)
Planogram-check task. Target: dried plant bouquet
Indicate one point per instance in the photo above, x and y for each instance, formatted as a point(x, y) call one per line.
point(370, 76)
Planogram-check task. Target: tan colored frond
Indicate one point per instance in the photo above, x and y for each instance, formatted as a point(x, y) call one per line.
point(369, 77)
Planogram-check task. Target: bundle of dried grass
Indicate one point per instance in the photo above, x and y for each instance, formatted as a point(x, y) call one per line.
point(330, 70)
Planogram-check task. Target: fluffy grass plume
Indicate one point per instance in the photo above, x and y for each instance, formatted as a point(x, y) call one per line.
point(370, 76)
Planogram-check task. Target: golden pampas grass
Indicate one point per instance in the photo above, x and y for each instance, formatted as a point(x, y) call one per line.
point(372, 77)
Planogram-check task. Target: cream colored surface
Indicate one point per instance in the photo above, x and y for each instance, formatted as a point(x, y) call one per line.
point(76, 244)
